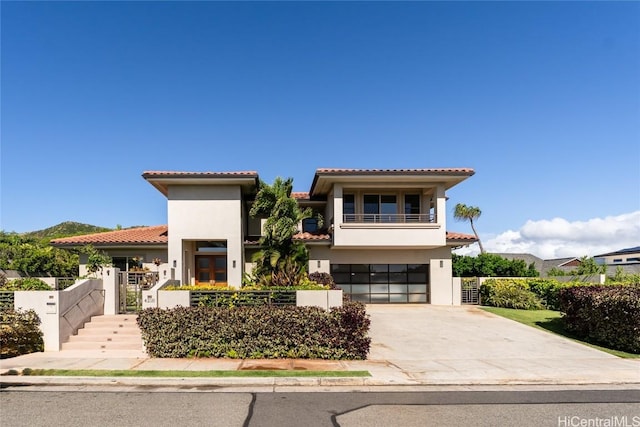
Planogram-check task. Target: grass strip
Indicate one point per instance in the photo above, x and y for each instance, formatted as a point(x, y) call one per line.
point(189, 374)
point(551, 321)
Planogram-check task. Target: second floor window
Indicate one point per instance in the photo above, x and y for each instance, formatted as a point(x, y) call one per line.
point(309, 225)
point(380, 208)
point(349, 207)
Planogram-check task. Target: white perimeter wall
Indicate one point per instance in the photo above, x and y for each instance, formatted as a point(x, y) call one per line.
point(62, 313)
point(204, 213)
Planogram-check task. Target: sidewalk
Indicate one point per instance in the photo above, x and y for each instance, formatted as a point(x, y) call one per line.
point(383, 373)
point(412, 346)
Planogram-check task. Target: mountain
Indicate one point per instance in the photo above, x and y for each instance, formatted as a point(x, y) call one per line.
point(65, 229)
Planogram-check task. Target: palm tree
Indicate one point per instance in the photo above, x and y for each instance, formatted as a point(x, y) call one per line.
point(463, 212)
point(280, 255)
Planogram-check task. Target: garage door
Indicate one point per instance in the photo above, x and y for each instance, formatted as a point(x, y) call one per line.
point(383, 283)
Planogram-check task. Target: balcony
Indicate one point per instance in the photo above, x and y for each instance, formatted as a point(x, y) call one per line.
point(389, 231)
point(389, 218)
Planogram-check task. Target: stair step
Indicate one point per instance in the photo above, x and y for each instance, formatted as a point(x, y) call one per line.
point(122, 318)
point(109, 327)
point(105, 338)
point(101, 346)
point(107, 333)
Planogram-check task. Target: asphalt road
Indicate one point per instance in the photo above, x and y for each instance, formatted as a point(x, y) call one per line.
point(30, 407)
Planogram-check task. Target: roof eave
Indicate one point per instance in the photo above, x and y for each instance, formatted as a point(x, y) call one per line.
point(452, 176)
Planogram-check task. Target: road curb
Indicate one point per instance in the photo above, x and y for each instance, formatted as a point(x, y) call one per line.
point(329, 383)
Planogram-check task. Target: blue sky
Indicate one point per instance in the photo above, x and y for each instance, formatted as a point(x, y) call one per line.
point(542, 99)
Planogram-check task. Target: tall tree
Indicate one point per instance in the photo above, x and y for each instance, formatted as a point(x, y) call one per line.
point(281, 259)
point(463, 212)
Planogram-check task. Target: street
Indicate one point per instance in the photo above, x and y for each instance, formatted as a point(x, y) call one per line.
point(30, 406)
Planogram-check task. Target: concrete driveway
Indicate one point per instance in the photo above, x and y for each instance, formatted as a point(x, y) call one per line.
point(466, 345)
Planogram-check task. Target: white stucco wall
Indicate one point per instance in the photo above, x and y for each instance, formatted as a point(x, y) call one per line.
point(204, 213)
point(63, 312)
point(389, 235)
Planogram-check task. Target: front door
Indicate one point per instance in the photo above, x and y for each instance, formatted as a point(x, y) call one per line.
point(211, 270)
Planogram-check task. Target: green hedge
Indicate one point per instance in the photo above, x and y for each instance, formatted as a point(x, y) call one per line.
point(607, 315)
point(527, 294)
point(26, 284)
point(257, 332)
point(509, 293)
point(19, 333)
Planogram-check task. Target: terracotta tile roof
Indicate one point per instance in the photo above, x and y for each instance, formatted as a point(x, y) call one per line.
point(392, 171)
point(461, 236)
point(176, 174)
point(309, 236)
point(155, 235)
point(299, 236)
point(300, 195)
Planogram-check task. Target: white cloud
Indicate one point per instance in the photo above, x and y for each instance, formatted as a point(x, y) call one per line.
point(558, 238)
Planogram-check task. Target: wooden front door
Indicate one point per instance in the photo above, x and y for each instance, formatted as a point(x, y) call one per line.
point(211, 270)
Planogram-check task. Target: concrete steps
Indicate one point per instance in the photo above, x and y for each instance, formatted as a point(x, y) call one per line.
point(114, 332)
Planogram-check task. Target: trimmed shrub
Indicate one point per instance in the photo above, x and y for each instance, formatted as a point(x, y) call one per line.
point(324, 279)
point(607, 315)
point(257, 332)
point(26, 284)
point(19, 333)
point(509, 293)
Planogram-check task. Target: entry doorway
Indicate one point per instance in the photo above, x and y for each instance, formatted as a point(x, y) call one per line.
point(211, 270)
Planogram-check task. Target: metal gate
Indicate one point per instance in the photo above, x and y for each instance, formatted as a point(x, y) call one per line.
point(469, 292)
point(130, 285)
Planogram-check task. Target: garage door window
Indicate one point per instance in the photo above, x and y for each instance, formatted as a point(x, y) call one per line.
point(383, 283)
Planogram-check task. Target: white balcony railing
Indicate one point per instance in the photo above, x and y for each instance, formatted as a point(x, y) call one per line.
point(389, 218)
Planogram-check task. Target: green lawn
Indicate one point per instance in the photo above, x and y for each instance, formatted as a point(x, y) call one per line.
point(187, 374)
point(550, 321)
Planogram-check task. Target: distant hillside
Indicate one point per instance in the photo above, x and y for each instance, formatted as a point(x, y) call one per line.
point(65, 229)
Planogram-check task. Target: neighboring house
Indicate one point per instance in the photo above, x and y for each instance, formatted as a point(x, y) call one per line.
point(544, 265)
point(627, 259)
point(384, 240)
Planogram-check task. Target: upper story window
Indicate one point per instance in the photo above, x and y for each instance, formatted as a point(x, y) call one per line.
point(617, 260)
point(633, 259)
point(309, 225)
point(412, 207)
point(349, 204)
point(349, 207)
point(385, 208)
point(380, 208)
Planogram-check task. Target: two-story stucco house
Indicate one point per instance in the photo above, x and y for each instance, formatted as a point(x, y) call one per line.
point(384, 240)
